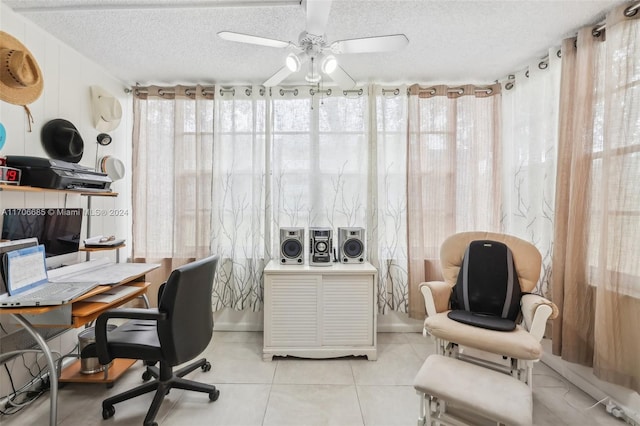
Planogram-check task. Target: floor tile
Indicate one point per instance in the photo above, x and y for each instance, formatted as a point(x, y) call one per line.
point(417, 338)
point(573, 406)
point(423, 350)
point(542, 416)
point(389, 405)
point(314, 372)
point(293, 391)
point(397, 364)
point(237, 405)
point(248, 351)
point(237, 336)
point(386, 338)
point(242, 371)
point(310, 405)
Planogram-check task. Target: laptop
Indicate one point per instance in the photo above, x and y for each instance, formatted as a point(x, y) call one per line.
point(28, 284)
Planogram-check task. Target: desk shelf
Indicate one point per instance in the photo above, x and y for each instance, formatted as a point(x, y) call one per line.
point(106, 248)
point(72, 373)
point(20, 188)
point(86, 312)
point(96, 249)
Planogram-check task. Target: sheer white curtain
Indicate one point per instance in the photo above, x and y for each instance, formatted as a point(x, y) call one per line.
point(228, 173)
point(319, 161)
point(387, 223)
point(304, 157)
point(239, 204)
point(530, 139)
point(453, 172)
point(172, 156)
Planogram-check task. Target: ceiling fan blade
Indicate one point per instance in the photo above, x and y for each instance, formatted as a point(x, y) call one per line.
point(280, 75)
point(370, 44)
point(317, 16)
point(246, 38)
point(344, 80)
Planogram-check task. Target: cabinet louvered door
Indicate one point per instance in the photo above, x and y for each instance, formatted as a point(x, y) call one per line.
point(347, 310)
point(319, 312)
point(291, 310)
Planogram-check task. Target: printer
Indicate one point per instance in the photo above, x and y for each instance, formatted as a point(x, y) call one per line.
point(57, 174)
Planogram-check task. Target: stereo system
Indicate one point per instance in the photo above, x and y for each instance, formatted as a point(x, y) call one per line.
point(292, 246)
point(350, 248)
point(351, 245)
point(320, 246)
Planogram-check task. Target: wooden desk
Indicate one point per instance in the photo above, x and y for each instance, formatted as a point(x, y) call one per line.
point(72, 315)
point(108, 248)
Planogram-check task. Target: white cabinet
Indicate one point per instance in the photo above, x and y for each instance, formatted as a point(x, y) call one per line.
point(320, 311)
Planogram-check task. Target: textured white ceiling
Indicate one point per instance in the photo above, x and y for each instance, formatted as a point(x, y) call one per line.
point(173, 41)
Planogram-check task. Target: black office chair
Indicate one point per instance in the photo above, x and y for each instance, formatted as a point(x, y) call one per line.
point(175, 332)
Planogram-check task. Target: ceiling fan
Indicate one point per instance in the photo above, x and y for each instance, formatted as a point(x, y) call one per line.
point(313, 48)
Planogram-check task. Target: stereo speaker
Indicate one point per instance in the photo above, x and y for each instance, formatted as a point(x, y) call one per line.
point(292, 246)
point(351, 245)
point(320, 246)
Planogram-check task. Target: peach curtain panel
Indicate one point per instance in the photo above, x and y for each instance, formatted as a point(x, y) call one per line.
point(596, 261)
point(453, 173)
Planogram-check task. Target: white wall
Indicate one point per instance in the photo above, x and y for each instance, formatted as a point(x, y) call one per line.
point(67, 78)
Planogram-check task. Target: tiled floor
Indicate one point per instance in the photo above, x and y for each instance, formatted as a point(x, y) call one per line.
point(289, 391)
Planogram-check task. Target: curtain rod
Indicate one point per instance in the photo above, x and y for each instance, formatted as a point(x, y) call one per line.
point(206, 90)
point(456, 90)
point(628, 12)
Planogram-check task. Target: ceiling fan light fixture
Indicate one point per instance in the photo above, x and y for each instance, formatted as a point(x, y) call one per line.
point(313, 78)
point(292, 62)
point(329, 64)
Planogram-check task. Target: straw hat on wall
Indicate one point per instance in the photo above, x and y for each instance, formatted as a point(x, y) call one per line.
point(20, 76)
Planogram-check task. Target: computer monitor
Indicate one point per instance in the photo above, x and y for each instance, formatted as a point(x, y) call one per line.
point(58, 229)
point(7, 246)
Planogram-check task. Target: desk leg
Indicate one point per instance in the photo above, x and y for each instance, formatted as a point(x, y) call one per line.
point(53, 373)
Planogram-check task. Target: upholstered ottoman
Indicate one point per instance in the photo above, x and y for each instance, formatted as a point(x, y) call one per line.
point(444, 381)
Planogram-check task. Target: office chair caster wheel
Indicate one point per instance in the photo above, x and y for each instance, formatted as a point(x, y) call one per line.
point(146, 375)
point(213, 396)
point(108, 412)
point(206, 366)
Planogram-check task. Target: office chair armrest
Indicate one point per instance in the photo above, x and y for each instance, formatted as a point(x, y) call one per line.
point(436, 296)
point(125, 313)
point(536, 310)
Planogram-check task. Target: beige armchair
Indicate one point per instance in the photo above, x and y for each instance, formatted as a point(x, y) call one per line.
point(512, 352)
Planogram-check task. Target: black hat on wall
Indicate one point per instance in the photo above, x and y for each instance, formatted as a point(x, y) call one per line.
point(62, 141)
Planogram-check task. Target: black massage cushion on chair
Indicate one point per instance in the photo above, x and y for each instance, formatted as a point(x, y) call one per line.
point(487, 292)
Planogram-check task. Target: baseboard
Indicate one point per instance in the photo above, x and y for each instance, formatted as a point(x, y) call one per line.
point(237, 326)
point(398, 322)
point(230, 320)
